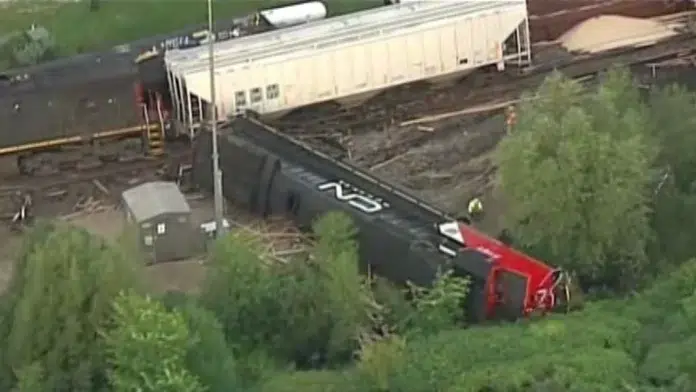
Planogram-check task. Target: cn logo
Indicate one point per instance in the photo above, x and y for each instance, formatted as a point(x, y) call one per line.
point(356, 199)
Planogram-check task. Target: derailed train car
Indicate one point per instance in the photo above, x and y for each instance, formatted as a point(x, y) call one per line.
point(400, 237)
point(350, 58)
point(121, 92)
point(55, 104)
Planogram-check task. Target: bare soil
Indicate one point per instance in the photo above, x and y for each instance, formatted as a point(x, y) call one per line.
point(452, 166)
point(184, 275)
point(94, 205)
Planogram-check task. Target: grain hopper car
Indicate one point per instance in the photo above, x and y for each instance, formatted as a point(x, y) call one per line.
point(348, 58)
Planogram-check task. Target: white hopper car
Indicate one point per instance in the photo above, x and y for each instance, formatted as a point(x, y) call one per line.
point(356, 55)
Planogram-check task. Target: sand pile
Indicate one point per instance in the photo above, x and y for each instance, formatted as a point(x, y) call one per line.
point(608, 32)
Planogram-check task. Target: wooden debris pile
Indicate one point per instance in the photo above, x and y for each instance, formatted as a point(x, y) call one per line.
point(86, 206)
point(282, 240)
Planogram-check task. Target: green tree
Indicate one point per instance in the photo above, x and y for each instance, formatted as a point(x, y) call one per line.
point(310, 381)
point(242, 292)
point(379, 358)
point(209, 357)
point(667, 311)
point(147, 347)
point(575, 173)
point(394, 308)
point(308, 312)
point(673, 117)
point(30, 379)
point(439, 307)
point(347, 300)
point(587, 369)
point(59, 298)
point(556, 350)
point(430, 311)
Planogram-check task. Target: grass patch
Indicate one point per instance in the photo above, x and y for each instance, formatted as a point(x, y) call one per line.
point(77, 30)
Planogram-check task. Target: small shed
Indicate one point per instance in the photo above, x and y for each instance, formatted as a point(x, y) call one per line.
point(163, 219)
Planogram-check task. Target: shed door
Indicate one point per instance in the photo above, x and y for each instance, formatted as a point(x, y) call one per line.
point(161, 251)
point(149, 240)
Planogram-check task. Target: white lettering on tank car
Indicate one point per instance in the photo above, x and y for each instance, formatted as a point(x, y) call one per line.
point(362, 202)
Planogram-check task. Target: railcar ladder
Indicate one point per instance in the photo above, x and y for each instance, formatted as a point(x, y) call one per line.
point(155, 132)
point(148, 129)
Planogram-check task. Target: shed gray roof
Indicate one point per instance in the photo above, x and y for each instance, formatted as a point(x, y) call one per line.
point(155, 198)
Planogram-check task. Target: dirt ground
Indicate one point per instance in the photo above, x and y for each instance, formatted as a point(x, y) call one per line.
point(184, 275)
point(187, 275)
point(452, 166)
point(95, 207)
point(456, 162)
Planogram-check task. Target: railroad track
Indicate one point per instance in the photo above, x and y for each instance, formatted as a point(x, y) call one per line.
point(108, 169)
point(404, 103)
point(332, 132)
point(83, 191)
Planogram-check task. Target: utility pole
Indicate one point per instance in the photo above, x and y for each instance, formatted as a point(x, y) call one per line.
point(217, 174)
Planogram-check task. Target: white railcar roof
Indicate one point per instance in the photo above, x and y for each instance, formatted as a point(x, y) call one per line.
point(403, 17)
point(302, 33)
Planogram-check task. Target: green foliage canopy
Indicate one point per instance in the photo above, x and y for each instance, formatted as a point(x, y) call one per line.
point(59, 299)
point(305, 312)
point(575, 173)
point(147, 348)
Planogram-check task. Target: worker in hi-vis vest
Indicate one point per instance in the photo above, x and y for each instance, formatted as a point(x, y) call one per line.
point(475, 209)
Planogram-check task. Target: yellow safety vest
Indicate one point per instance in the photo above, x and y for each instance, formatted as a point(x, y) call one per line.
point(475, 205)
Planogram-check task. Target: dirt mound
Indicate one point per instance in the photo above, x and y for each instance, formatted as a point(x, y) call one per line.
point(608, 32)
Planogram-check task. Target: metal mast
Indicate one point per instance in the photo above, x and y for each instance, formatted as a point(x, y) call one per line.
point(217, 174)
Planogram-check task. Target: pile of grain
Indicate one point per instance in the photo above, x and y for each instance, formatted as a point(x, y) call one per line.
point(608, 32)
